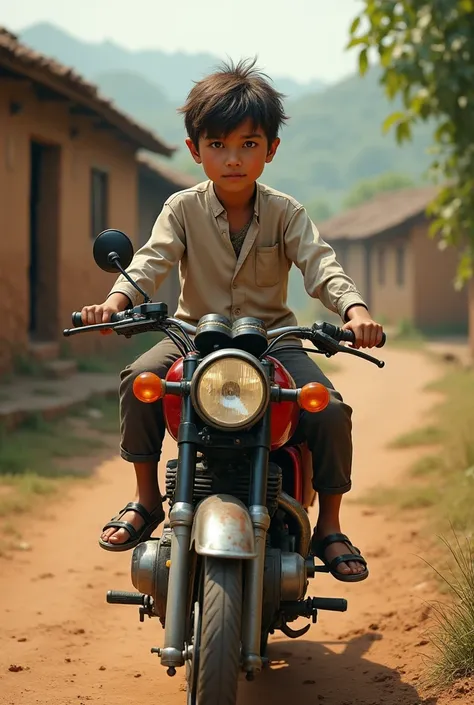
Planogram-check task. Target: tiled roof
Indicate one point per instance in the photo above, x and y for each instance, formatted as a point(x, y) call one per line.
point(17, 58)
point(382, 213)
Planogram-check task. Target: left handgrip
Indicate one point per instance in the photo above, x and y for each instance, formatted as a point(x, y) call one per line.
point(77, 319)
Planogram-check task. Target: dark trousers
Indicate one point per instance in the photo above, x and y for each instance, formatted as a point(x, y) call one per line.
point(327, 433)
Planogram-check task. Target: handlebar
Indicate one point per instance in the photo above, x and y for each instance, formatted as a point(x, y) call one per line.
point(338, 334)
point(326, 337)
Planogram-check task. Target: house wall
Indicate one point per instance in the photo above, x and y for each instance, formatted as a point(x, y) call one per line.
point(79, 281)
point(352, 256)
point(438, 306)
point(392, 298)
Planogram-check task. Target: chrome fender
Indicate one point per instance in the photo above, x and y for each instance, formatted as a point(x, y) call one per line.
point(223, 528)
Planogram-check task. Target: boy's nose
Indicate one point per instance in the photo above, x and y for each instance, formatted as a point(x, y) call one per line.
point(233, 159)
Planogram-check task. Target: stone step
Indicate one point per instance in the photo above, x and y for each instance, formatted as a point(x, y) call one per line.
point(44, 351)
point(60, 369)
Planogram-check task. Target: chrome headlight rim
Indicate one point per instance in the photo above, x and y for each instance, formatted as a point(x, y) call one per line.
point(218, 356)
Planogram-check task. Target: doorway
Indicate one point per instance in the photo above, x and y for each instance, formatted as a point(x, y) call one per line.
point(44, 242)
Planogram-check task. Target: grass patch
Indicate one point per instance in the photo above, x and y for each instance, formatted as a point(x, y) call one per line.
point(102, 414)
point(35, 458)
point(426, 436)
point(407, 336)
point(34, 447)
point(453, 636)
point(443, 486)
point(426, 465)
point(404, 498)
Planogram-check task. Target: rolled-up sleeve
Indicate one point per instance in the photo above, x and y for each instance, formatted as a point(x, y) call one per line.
point(324, 277)
point(155, 259)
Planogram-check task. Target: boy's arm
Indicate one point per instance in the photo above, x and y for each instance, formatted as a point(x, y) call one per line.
point(153, 261)
point(324, 277)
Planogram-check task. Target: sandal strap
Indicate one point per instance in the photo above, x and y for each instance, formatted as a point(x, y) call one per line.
point(114, 524)
point(333, 538)
point(139, 509)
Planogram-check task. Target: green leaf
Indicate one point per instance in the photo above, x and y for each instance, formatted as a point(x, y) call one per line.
point(357, 41)
point(363, 62)
point(355, 25)
point(403, 132)
point(391, 120)
point(466, 5)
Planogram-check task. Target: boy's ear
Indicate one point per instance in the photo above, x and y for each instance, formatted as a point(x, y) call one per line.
point(194, 152)
point(272, 150)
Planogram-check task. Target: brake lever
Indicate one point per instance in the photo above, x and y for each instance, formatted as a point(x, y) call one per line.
point(331, 347)
point(67, 332)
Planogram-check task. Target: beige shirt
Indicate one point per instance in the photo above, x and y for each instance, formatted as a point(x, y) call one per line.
point(193, 230)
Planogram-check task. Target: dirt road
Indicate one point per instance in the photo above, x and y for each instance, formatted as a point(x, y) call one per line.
point(76, 649)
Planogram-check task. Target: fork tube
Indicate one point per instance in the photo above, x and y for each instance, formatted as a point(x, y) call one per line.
point(181, 521)
point(253, 598)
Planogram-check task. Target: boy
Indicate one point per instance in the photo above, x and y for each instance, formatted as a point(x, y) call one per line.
point(235, 240)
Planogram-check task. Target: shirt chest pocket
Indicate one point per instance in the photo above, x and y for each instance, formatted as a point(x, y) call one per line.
point(267, 266)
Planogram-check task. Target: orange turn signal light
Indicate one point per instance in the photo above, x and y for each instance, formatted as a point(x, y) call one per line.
point(313, 397)
point(148, 387)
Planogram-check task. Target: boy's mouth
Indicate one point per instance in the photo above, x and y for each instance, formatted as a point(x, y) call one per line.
point(234, 176)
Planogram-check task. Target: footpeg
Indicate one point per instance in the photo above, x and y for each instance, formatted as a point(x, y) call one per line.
point(309, 608)
point(145, 602)
point(119, 597)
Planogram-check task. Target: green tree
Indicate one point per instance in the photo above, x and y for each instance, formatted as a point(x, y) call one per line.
point(368, 188)
point(426, 51)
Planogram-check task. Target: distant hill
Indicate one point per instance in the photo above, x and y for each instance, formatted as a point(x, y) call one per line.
point(172, 72)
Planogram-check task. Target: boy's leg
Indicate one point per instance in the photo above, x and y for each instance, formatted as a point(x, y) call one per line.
point(142, 433)
point(328, 435)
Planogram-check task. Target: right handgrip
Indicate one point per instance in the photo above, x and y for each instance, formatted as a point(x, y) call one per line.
point(76, 318)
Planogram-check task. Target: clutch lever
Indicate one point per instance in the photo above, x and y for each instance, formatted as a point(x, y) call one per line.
point(330, 347)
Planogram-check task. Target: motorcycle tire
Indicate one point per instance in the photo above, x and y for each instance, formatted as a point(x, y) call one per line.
point(219, 652)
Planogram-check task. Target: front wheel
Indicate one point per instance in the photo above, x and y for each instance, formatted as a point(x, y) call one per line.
point(218, 661)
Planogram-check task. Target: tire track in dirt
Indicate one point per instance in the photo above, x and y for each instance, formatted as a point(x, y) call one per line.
point(76, 649)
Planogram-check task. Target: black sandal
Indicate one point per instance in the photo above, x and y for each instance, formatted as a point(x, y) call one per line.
point(318, 549)
point(151, 519)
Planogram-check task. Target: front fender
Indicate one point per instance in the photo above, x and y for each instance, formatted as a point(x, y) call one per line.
point(222, 527)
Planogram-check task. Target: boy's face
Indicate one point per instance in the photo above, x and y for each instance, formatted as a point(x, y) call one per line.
point(236, 161)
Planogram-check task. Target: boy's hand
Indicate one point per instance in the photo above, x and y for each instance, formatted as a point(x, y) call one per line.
point(367, 332)
point(101, 313)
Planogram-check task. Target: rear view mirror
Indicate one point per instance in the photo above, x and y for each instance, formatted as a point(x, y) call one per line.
point(112, 248)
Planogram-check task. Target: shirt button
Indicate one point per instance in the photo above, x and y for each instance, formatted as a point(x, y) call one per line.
point(234, 285)
point(237, 311)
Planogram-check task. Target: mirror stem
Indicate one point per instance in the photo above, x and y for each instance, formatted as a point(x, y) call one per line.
point(115, 260)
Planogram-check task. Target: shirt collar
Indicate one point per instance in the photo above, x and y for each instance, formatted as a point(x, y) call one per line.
point(217, 207)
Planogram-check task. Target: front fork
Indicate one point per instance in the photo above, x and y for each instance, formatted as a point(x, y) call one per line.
point(181, 522)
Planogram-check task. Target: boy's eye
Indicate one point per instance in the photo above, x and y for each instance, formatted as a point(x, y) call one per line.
point(216, 145)
point(250, 144)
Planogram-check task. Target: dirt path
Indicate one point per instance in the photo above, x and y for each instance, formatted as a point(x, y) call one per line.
point(76, 649)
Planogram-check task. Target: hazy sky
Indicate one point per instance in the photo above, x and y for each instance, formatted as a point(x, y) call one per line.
point(299, 38)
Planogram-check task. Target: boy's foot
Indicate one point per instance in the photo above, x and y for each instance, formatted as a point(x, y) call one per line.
point(335, 550)
point(133, 524)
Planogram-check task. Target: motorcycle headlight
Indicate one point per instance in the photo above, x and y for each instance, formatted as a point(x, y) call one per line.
point(230, 391)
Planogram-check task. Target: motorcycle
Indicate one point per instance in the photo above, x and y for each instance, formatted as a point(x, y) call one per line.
point(233, 562)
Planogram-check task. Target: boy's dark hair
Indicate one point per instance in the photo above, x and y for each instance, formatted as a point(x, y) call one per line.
point(220, 102)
